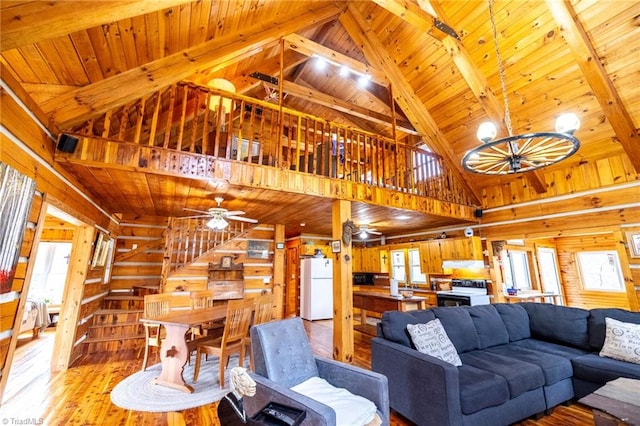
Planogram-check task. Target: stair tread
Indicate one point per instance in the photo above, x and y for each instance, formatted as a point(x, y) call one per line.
point(118, 324)
point(104, 311)
point(123, 297)
point(112, 338)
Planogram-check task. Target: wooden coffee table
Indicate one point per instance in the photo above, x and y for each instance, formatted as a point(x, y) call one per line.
point(616, 403)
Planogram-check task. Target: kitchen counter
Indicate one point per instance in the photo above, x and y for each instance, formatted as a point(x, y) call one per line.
point(379, 303)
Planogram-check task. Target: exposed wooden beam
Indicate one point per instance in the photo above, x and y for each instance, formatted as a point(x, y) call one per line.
point(342, 286)
point(411, 13)
point(422, 18)
point(310, 48)
point(372, 47)
point(27, 22)
point(597, 78)
point(218, 53)
point(312, 95)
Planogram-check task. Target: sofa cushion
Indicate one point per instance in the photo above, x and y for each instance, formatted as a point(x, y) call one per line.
point(459, 326)
point(597, 326)
point(520, 376)
point(554, 367)
point(551, 348)
point(489, 325)
point(431, 339)
point(394, 324)
point(597, 369)
point(559, 324)
point(516, 320)
point(622, 341)
point(480, 389)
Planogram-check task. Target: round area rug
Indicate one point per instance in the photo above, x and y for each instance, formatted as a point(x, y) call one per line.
point(136, 392)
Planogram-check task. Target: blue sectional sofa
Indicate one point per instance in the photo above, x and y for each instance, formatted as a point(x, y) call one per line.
point(518, 360)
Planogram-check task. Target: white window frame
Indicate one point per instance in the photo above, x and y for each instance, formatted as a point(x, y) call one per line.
point(512, 272)
point(600, 271)
point(398, 266)
point(414, 265)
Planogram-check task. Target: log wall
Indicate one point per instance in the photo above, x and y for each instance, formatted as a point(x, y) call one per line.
point(22, 141)
point(258, 273)
point(138, 261)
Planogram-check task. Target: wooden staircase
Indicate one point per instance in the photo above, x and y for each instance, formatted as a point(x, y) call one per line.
point(117, 325)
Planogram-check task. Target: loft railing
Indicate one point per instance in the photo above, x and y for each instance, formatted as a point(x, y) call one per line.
point(190, 239)
point(188, 117)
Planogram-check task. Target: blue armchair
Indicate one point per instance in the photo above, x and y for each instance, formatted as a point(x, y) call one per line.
point(283, 358)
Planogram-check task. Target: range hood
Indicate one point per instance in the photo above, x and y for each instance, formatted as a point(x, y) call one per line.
point(462, 264)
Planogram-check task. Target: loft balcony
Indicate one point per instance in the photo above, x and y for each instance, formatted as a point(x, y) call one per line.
point(194, 132)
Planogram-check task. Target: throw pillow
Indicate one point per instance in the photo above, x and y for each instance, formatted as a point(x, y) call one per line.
point(431, 339)
point(622, 341)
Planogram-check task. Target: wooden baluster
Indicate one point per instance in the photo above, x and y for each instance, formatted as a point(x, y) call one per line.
point(183, 117)
point(154, 120)
point(172, 103)
point(124, 121)
point(240, 132)
point(251, 131)
point(140, 118)
point(204, 144)
point(107, 124)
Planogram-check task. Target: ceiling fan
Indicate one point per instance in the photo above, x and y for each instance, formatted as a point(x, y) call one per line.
point(364, 231)
point(219, 214)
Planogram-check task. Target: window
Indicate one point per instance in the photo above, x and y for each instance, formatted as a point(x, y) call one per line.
point(516, 270)
point(600, 270)
point(398, 271)
point(415, 272)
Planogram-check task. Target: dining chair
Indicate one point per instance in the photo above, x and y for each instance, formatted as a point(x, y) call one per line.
point(262, 312)
point(236, 328)
point(155, 305)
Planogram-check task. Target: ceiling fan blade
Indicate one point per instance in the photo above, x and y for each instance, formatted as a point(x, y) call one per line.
point(370, 231)
point(194, 210)
point(234, 213)
point(193, 217)
point(242, 219)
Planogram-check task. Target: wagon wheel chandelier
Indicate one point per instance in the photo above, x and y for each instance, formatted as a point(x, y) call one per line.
point(519, 153)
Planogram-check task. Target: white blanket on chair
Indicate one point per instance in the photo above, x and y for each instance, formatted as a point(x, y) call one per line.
point(351, 410)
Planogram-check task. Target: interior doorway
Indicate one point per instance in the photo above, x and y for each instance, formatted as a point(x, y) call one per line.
point(52, 255)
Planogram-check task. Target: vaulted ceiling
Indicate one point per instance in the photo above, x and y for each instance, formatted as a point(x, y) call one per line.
point(432, 67)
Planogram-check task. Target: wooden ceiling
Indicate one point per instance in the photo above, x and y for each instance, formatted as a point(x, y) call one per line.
point(70, 61)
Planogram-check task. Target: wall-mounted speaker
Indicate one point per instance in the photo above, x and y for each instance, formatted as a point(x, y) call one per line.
point(67, 143)
point(478, 213)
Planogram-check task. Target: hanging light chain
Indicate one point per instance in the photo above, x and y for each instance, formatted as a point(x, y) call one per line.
point(507, 115)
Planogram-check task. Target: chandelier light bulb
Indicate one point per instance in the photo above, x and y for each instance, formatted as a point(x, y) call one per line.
point(487, 131)
point(567, 123)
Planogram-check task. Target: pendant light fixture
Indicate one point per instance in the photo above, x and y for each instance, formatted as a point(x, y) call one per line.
point(519, 153)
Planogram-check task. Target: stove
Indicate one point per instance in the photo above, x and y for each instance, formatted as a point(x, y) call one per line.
point(464, 292)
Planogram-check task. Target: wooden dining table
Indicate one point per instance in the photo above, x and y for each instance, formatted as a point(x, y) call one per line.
point(174, 351)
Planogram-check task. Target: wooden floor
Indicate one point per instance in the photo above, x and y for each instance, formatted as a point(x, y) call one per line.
point(80, 396)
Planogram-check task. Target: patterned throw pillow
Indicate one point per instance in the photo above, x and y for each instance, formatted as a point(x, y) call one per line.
point(432, 339)
point(622, 341)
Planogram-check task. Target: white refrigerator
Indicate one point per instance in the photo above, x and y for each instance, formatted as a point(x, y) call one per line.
point(316, 289)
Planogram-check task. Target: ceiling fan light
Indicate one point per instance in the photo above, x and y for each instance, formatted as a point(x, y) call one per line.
point(567, 123)
point(487, 131)
point(363, 234)
point(217, 223)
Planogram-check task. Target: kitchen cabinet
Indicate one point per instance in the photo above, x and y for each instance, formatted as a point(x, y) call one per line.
point(368, 260)
point(433, 252)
